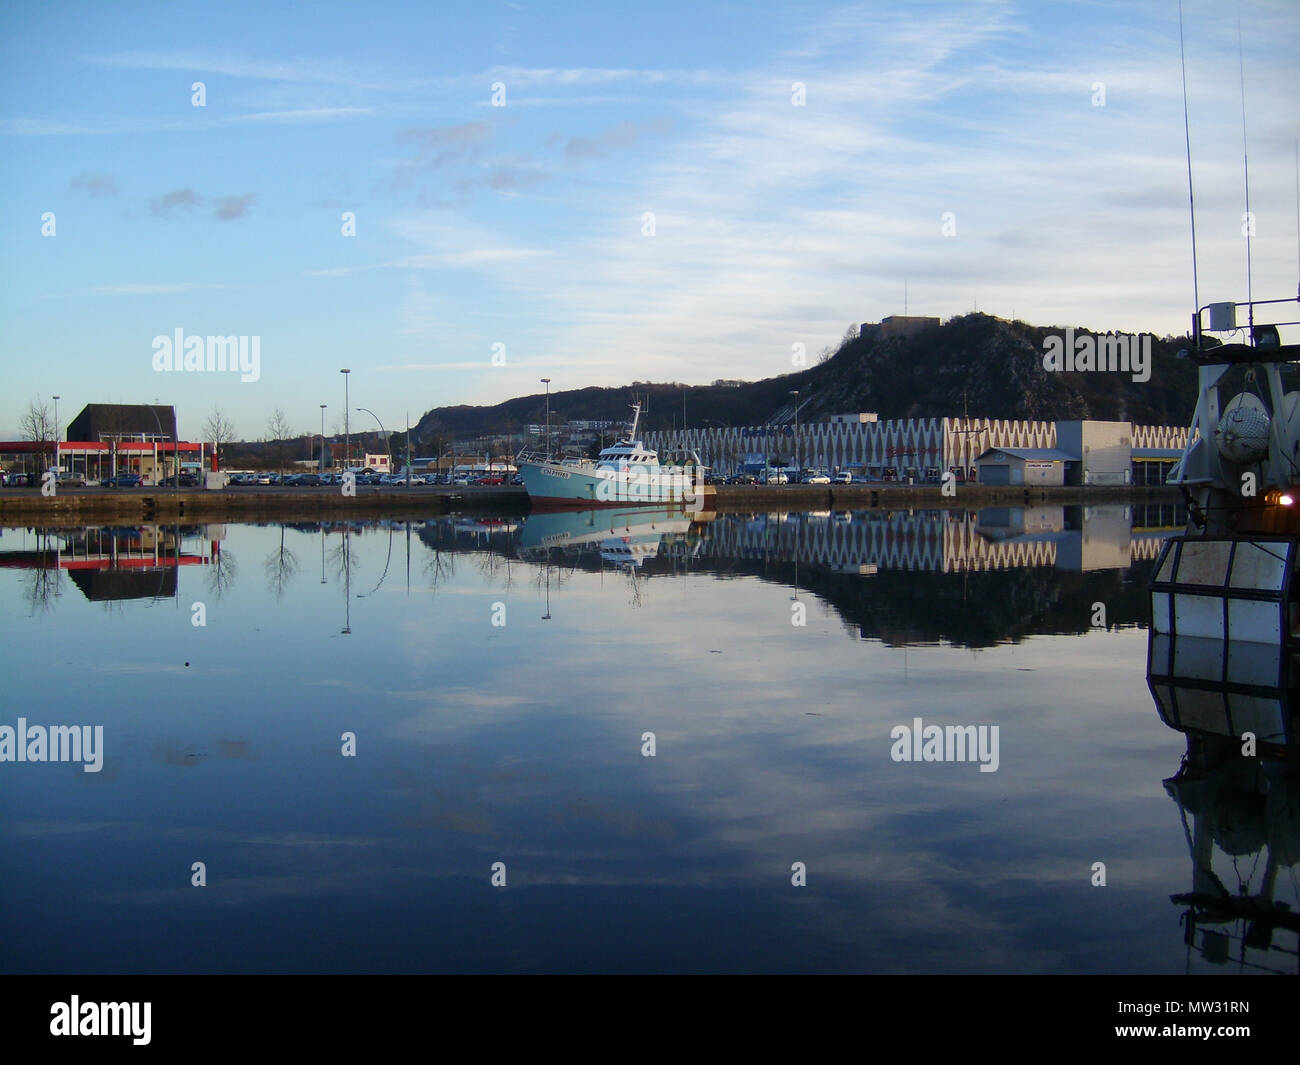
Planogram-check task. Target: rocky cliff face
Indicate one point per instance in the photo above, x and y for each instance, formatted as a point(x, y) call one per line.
point(994, 369)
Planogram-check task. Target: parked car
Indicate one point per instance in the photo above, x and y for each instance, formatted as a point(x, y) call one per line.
point(125, 480)
point(72, 480)
point(14, 480)
point(491, 481)
point(844, 477)
point(777, 477)
point(461, 481)
point(187, 480)
point(818, 478)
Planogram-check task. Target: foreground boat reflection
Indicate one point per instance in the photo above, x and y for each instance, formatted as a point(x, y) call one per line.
point(1238, 793)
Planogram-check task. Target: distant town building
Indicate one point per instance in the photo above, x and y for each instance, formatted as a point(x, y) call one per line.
point(898, 325)
point(854, 419)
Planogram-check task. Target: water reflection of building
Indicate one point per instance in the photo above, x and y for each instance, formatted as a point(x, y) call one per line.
point(1066, 538)
point(115, 563)
point(1238, 795)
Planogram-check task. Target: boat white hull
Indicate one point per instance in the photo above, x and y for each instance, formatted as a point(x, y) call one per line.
point(558, 484)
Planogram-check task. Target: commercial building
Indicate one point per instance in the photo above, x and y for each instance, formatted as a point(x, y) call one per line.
point(106, 439)
point(922, 449)
point(1028, 466)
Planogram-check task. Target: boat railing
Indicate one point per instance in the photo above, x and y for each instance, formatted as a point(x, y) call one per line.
point(1262, 339)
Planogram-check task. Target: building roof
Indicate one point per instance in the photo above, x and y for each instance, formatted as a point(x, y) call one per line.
point(1033, 454)
point(98, 419)
point(1157, 452)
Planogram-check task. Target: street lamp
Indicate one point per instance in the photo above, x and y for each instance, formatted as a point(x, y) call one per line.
point(795, 393)
point(321, 468)
point(386, 440)
point(347, 428)
point(547, 382)
point(56, 438)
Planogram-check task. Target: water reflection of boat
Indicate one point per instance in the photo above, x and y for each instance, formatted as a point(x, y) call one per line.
point(1239, 783)
point(624, 536)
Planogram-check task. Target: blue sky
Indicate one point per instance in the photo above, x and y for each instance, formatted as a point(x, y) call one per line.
point(523, 225)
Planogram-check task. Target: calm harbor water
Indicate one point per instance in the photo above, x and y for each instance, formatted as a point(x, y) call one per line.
point(500, 677)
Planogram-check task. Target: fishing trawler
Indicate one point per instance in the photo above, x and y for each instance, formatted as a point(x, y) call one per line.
point(628, 473)
point(1230, 576)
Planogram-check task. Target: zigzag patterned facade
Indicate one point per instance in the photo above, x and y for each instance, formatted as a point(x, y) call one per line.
point(1159, 436)
point(918, 442)
point(936, 542)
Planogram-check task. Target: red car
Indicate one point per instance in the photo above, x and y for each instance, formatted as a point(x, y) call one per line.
point(490, 481)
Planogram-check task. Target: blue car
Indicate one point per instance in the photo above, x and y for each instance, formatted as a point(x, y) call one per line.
point(125, 480)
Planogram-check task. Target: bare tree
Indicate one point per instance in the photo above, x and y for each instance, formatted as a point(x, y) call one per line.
point(218, 429)
point(281, 567)
point(278, 432)
point(223, 571)
point(37, 424)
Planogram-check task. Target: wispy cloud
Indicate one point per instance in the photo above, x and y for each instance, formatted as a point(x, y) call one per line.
point(150, 289)
point(174, 201)
point(231, 207)
point(579, 149)
point(94, 185)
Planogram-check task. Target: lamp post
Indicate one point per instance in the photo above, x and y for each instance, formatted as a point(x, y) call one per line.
point(56, 439)
point(547, 382)
point(321, 467)
point(386, 440)
point(795, 393)
point(347, 429)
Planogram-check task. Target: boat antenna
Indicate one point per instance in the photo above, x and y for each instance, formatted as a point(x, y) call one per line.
point(1191, 199)
point(1245, 165)
point(1297, 215)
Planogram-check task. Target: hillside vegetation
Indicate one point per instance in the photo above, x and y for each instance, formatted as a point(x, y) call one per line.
point(987, 366)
